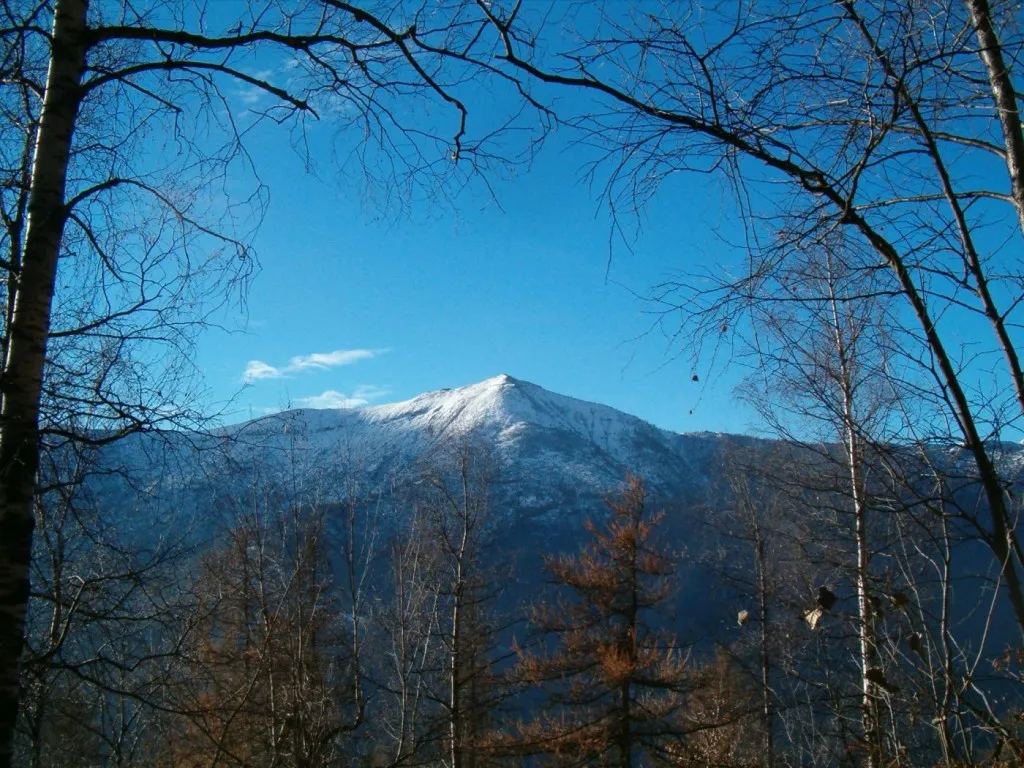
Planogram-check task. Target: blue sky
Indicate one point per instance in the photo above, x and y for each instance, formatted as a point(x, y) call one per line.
point(356, 306)
point(350, 308)
point(353, 307)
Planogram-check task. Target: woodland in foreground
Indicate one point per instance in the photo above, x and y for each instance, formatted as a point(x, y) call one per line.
point(393, 628)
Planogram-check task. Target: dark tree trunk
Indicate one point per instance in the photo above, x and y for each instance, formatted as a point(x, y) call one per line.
point(22, 377)
point(1004, 97)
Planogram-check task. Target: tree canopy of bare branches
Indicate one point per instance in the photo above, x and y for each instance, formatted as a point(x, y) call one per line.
point(896, 124)
point(124, 144)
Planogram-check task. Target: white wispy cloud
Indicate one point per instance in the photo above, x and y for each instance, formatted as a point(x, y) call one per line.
point(318, 361)
point(254, 94)
point(324, 360)
point(331, 398)
point(257, 369)
point(251, 95)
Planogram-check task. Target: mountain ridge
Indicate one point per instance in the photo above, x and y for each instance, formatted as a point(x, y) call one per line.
point(490, 389)
point(555, 451)
point(536, 432)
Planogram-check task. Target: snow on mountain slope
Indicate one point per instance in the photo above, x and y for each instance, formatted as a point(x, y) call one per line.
point(548, 443)
point(557, 454)
point(504, 405)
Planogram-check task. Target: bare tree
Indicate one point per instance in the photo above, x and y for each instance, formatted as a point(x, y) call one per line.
point(829, 361)
point(870, 118)
point(408, 624)
point(273, 673)
point(872, 516)
point(121, 124)
point(103, 623)
point(456, 523)
point(751, 558)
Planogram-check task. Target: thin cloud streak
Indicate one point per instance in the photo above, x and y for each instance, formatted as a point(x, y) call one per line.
point(256, 370)
point(331, 398)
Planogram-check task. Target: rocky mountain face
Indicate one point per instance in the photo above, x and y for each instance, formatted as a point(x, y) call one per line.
point(556, 456)
point(555, 459)
point(556, 453)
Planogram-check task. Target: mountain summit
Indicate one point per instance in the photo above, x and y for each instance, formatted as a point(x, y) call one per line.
point(552, 447)
point(555, 453)
point(502, 407)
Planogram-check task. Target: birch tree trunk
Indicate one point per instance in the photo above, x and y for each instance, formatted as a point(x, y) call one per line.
point(22, 378)
point(455, 665)
point(845, 351)
point(767, 704)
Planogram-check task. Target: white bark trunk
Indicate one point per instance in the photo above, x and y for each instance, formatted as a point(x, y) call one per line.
point(26, 352)
point(853, 458)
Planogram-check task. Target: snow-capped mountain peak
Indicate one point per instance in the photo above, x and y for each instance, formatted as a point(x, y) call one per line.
point(461, 409)
point(554, 449)
point(503, 406)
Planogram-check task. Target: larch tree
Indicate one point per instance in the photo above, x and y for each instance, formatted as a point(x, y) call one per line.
point(611, 675)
